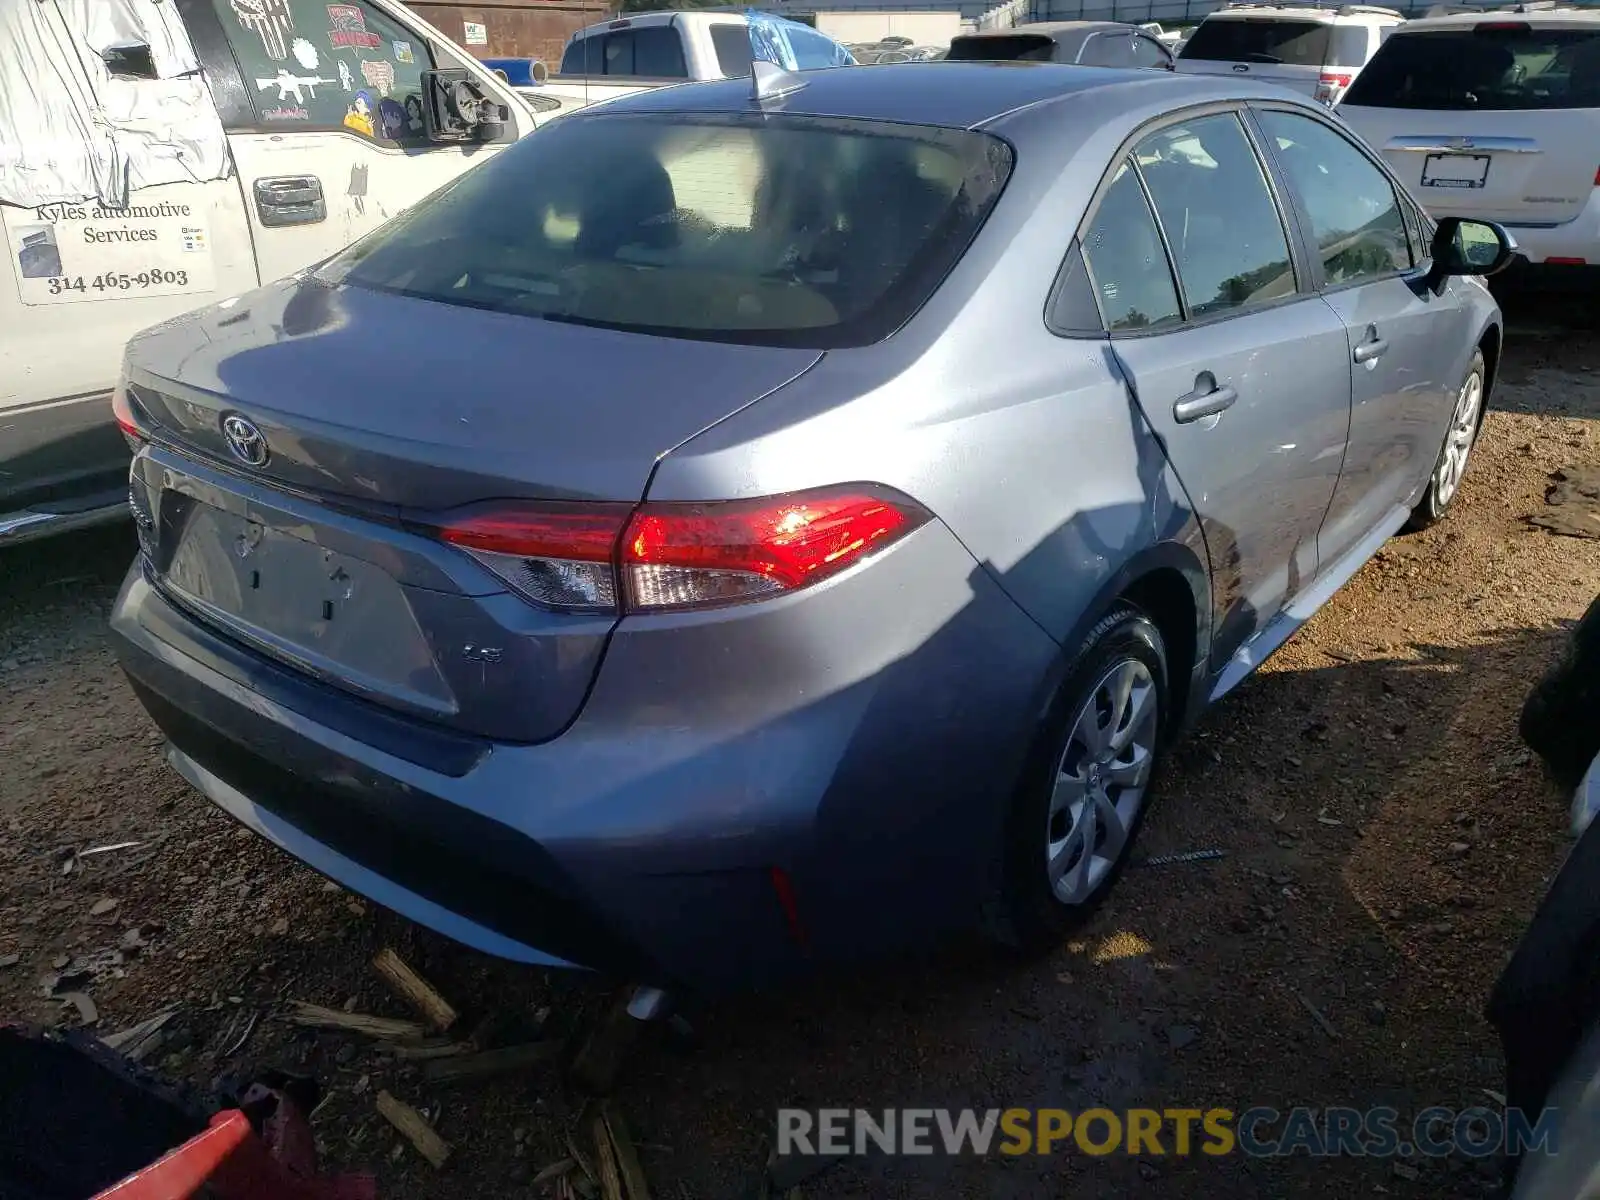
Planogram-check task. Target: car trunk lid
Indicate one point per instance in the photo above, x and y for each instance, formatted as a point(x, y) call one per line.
point(377, 415)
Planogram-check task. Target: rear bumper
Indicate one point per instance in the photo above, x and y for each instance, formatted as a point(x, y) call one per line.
point(1557, 250)
point(869, 760)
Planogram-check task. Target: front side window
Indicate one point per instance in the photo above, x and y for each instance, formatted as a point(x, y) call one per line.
point(1106, 50)
point(1355, 215)
point(1493, 66)
point(315, 65)
point(732, 45)
point(759, 228)
point(1218, 213)
point(1147, 52)
point(1122, 245)
point(1259, 40)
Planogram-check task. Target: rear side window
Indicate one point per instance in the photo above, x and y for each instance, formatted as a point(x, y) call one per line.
point(1021, 47)
point(732, 45)
point(1122, 245)
point(1349, 44)
point(1495, 66)
point(1219, 216)
point(1287, 42)
point(761, 228)
point(317, 65)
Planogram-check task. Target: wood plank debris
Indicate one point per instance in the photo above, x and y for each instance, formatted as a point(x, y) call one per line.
point(506, 1060)
point(422, 1136)
point(315, 1016)
point(414, 989)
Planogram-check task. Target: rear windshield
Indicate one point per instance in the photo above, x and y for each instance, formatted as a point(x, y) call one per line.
point(1289, 42)
point(1025, 47)
point(650, 51)
point(774, 230)
point(1492, 67)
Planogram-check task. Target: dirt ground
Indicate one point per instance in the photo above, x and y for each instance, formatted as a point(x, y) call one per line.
point(1386, 838)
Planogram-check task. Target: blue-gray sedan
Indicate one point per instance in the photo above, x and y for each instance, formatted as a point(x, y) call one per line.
point(721, 534)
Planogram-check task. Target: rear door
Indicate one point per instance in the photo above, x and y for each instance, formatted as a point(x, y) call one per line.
point(1400, 333)
point(1496, 119)
point(1289, 51)
point(322, 103)
point(1240, 371)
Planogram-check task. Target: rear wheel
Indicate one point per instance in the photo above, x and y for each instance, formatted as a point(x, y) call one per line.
point(1082, 799)
point(1459, 438)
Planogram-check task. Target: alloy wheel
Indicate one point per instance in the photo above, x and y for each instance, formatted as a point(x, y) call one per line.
point(1459, 439)
point(1101, 780)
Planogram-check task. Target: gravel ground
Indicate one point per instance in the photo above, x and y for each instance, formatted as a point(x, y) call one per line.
point(1386, 838)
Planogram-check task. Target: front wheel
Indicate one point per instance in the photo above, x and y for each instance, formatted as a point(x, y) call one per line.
point(1459, 439)
point(1082, 799)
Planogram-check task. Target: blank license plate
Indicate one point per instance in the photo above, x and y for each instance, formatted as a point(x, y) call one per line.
point(336, 615)
point(1455, 170)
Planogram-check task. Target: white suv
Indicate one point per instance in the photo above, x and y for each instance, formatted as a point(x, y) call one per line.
point(1496, 114)
point(1318, 51)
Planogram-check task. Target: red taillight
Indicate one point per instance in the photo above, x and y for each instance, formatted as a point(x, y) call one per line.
point(1597, 177)
point(683, 555)
point(667, 556)
point(1335, 81)
point(122, 411)
point(557, 555)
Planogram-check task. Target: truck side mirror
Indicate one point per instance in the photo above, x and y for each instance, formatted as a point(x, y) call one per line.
point(454, 109)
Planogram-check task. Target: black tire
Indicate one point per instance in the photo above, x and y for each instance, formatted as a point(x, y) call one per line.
point(1561, 716)
point(1030, 917)
point(1436, 501)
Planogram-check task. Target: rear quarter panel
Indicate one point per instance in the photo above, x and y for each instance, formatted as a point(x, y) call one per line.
point(1026, 444)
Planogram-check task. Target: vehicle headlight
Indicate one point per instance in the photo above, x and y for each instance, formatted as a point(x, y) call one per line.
point(1586, 804)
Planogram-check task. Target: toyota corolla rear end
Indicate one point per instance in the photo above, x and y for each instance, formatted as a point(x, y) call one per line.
point(405, 606)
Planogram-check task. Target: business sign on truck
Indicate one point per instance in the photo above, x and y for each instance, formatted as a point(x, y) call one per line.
point(69, 253)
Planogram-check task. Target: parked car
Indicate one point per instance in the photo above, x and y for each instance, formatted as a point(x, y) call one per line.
point(1497, 113)
point(1086, 43)
point(640, 557)
point(652, 49)
point(1546, 1004)
point(1319, 51)
point(183, 154)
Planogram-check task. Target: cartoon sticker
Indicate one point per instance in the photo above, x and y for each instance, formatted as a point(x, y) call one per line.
point(379, 74)
point(350, 28)
point(402, 52)
point(392, 119)
point(359, 114)
point(305, 54)
point(346, 80)
point(295, 86)
point(414, 114)
point(270, 20)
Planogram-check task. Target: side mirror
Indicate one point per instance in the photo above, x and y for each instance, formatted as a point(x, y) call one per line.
point(1462, 246)
point(455, 110)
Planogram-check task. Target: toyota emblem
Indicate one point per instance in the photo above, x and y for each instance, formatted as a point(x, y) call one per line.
point(245, 440)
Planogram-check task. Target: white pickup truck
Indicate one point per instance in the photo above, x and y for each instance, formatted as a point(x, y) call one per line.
point(646, 50)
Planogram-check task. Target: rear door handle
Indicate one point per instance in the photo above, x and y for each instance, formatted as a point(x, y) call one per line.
point(289, 200)
point(1368, 351)
point(1204, 401)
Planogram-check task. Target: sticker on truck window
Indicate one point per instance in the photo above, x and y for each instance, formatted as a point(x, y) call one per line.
point(70, 253)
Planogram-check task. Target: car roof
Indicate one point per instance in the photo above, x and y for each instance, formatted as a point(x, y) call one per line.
point(949, 94)
point(1331, 14)
point(1049, 29)
point(1532, 16)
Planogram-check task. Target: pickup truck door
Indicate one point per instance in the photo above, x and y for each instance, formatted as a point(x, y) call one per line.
point(323, 108)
